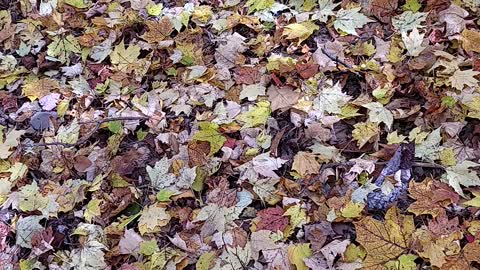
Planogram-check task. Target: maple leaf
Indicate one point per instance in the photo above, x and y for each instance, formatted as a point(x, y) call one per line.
point(431, 197)
point(363, 132)
point(216, 218)
point(26, 228)
point(257, 5)
point(256, 116)
point(430, 148)
point(408, 21)
point(460, 78)
point(130, 242)
point(331, 99)
point(347, 20)
point(265, 165)
point(39, 88)
point(61, 48)
point(325, 9)
point(461, 174)
point(152, 219)
point(125, 58)
point(413, 42)
point(470, 40)
point(300, 30)
point(454, 19)
point(305, 163)
point(251, 92)
point(297, 253)
point(209, 133)
point(385, 241)
point(379, 114)
point(272, 219)
point(90, 255)
point(158, 30)
point(282, 98)
point(10, 141)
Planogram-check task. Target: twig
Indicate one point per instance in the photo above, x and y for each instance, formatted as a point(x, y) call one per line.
point(335, 58)
point(414, 164)
point(98, 123)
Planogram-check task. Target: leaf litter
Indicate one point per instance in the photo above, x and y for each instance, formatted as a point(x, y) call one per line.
point(259, 134)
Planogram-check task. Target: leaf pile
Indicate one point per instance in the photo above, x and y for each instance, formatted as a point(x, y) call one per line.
point(239, 134)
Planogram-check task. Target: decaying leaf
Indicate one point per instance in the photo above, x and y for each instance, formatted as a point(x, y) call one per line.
point(385, 241)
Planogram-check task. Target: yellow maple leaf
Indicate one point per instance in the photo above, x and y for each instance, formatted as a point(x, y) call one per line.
point(363, 132)
point(93, 210)
point(39, 88)
point(296, 254)
point(300, 30)
point(385, 241)
point(125, 59)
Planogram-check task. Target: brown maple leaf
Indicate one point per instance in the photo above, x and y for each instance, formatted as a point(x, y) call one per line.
point(272, 219)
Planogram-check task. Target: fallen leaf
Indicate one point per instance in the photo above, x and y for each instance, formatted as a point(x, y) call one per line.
point(305, 163)
point(347, 20)
point(461, 175)
point(130, 242)
point(297, 253)
point(363, 132)
point(413, 42)
point(282, 98)
point(385, 241)
point(300, 31)
point(470, 39)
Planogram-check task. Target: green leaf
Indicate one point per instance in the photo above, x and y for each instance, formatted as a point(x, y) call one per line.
point(302, 31)
point(208, 133)
point(349, 19)
point(412, 5)
point(297, 254)
point(147, 248)
point(154, 9)
point(164, 195)
point(115, 126)
point(77, 3)
point(256, 116)
point(475, 201)
point(61, 48)
point(205, 261)
point(256, 5)
point(92, 210)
